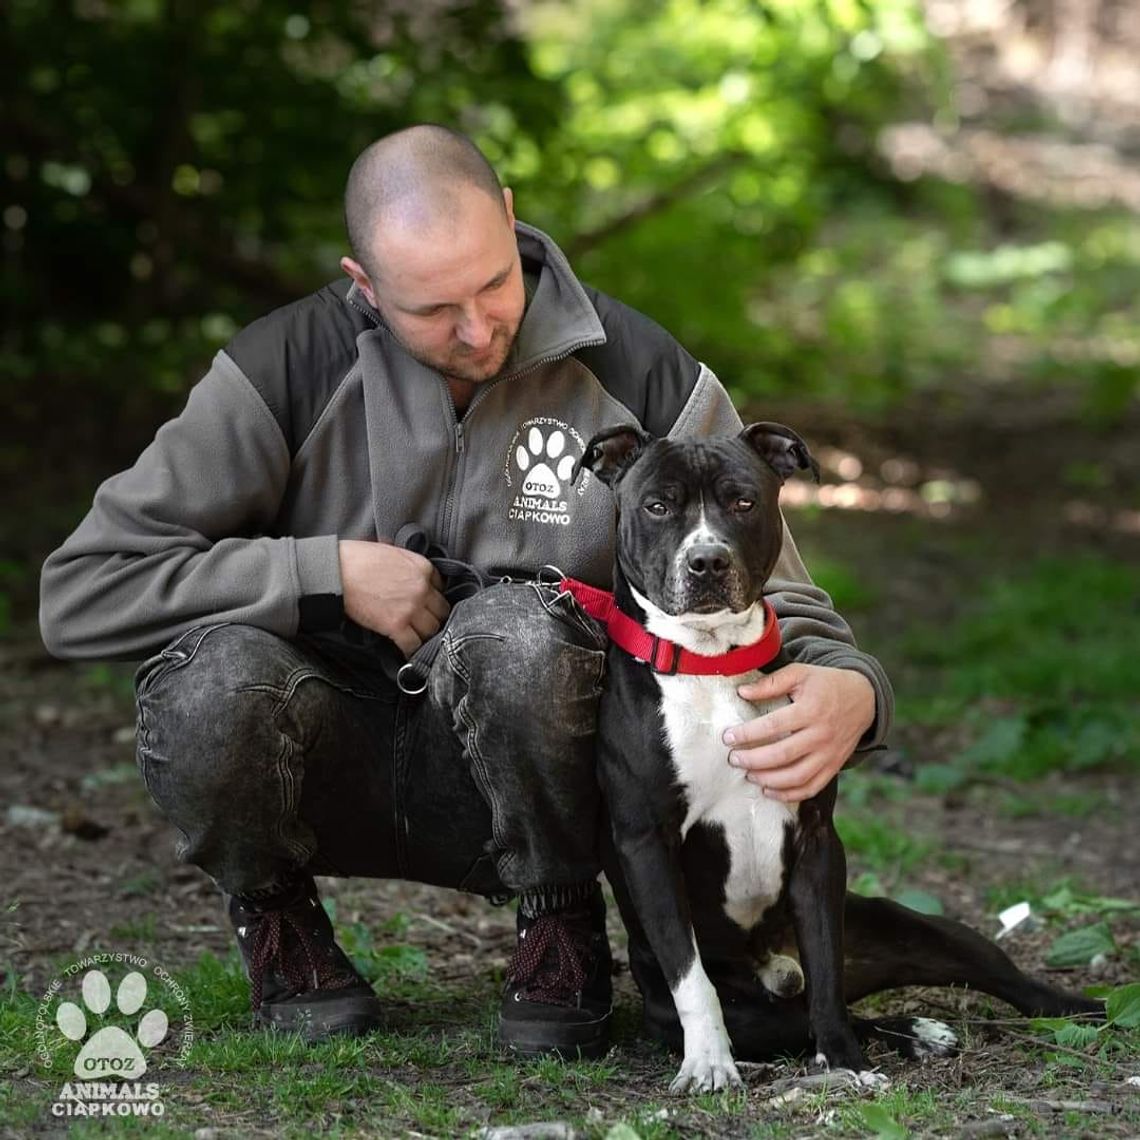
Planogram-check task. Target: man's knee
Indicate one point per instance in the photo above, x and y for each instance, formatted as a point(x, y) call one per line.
point(520, 621)
point(522, 648)
point(206, 708)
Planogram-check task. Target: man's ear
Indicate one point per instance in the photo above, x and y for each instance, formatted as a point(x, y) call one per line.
point(781, 448)
point(363, 282)
point(611, 452)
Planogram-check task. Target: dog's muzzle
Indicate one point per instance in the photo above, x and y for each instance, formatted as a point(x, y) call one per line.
point(707, 578)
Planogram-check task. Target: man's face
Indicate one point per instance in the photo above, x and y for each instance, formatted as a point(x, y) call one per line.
point(452, 291)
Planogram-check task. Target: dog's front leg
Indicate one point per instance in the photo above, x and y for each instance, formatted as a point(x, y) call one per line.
point(651, 866)
point(818, 889)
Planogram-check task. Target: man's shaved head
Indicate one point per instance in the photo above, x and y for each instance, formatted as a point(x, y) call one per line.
point(436, 254)
point(414, 176)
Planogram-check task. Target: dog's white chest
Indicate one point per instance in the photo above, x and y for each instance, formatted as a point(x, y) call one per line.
point(696, 711)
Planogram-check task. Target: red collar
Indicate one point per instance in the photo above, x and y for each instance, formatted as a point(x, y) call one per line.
point(667, 656)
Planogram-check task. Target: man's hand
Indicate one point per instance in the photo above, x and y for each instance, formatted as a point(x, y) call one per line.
point(392, 591)
point(794, 751)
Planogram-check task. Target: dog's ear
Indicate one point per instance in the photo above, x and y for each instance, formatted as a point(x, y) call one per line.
point(611, 451)
point(781, 448)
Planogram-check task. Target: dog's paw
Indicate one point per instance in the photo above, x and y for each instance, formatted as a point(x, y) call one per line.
point(839, 1052)
point(706, 1074)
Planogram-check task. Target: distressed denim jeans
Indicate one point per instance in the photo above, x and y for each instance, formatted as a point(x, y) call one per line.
point(273, 756)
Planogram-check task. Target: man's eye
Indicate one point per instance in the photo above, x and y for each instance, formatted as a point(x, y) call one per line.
point(656, 508)
point(741, 506)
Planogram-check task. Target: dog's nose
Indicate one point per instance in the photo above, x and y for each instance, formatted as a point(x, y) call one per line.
point(708, 560)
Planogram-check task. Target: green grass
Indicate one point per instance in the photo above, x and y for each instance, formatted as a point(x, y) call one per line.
point(436, 1083)
point(1041, 669)
point(849, 592)
point(1040, 688)
point(137, 931)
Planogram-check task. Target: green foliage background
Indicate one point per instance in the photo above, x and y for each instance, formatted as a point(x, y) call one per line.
point(176, 168)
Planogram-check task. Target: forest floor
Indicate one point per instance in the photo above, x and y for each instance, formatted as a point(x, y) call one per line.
point(958, 539)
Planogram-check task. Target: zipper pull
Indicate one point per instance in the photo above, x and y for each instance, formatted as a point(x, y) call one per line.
point(458, 439)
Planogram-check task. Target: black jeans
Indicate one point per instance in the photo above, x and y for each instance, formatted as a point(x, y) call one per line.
point(272, 756)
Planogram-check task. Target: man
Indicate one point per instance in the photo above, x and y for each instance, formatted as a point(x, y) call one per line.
point(252, 552)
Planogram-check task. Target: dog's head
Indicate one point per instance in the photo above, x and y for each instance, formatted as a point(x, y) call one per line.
point(698, 521)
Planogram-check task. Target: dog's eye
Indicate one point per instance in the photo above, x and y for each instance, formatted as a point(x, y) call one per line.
point(743, 505)
point(657, 508)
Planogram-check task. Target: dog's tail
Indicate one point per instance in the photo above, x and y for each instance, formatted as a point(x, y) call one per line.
point(913, 1037)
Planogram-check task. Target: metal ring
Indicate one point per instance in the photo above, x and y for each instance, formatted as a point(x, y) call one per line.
point(403, 687)
point(555, 573)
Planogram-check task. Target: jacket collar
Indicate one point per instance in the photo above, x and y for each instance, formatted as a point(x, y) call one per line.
point(559, 320)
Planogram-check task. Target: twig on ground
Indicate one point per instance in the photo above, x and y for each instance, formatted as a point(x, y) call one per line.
point(1039, 1103)
point(966, 1019)
point(837, 1079)
point(542, 1130)
point(1018, 849)
point(447, 928)
point(1000, 1126)
point(1041, 1043)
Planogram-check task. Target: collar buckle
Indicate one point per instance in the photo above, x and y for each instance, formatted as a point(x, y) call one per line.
point(672, 654)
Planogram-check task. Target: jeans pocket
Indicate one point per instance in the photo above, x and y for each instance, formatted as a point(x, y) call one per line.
point(149, 670)
point(561, 604)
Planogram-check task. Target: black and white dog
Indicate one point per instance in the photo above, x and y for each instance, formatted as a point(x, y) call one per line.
point(707, 868)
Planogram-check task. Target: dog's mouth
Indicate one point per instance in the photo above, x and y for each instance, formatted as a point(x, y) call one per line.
point(724, 597)
point(710, 606)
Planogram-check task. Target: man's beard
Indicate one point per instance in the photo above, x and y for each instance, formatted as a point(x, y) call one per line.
point(456, 366)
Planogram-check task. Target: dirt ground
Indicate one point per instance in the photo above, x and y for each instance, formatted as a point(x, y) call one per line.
point(87, 864)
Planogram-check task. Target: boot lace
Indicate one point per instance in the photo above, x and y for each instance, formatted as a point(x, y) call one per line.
point(550, 960)
point(298, 958)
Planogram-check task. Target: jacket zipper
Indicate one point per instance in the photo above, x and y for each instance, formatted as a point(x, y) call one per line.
point(460, 436)
point(451, 486)
point(453, 473)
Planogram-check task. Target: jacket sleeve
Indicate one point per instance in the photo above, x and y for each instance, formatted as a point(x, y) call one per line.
point(181, 537)
point(812, 631)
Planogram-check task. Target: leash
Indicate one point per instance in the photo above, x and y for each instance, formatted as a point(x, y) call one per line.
point(667, 656)
point(460, 580)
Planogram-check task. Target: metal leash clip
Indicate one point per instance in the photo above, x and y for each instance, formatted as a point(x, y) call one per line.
point(550, 575)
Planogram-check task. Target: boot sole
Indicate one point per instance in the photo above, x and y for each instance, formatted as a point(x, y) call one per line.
point(585, 1041)
point(350, 1016)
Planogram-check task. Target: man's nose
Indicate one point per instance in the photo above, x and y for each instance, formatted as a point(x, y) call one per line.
point(475, 329)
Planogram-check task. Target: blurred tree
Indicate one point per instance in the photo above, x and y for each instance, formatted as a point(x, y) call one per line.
point(175, 167)
point(705, 145)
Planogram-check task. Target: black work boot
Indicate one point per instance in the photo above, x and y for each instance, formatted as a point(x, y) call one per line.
point(300, 980)
point(558, 993)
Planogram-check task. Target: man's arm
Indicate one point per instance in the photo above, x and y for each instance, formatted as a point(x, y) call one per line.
point(815, 634)
point(179, 538)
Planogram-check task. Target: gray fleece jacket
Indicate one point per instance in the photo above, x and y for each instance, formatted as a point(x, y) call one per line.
point(315, 425)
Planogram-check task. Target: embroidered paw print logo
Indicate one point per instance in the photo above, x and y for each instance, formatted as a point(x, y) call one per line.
point(111, 1051)
point(543, 463)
